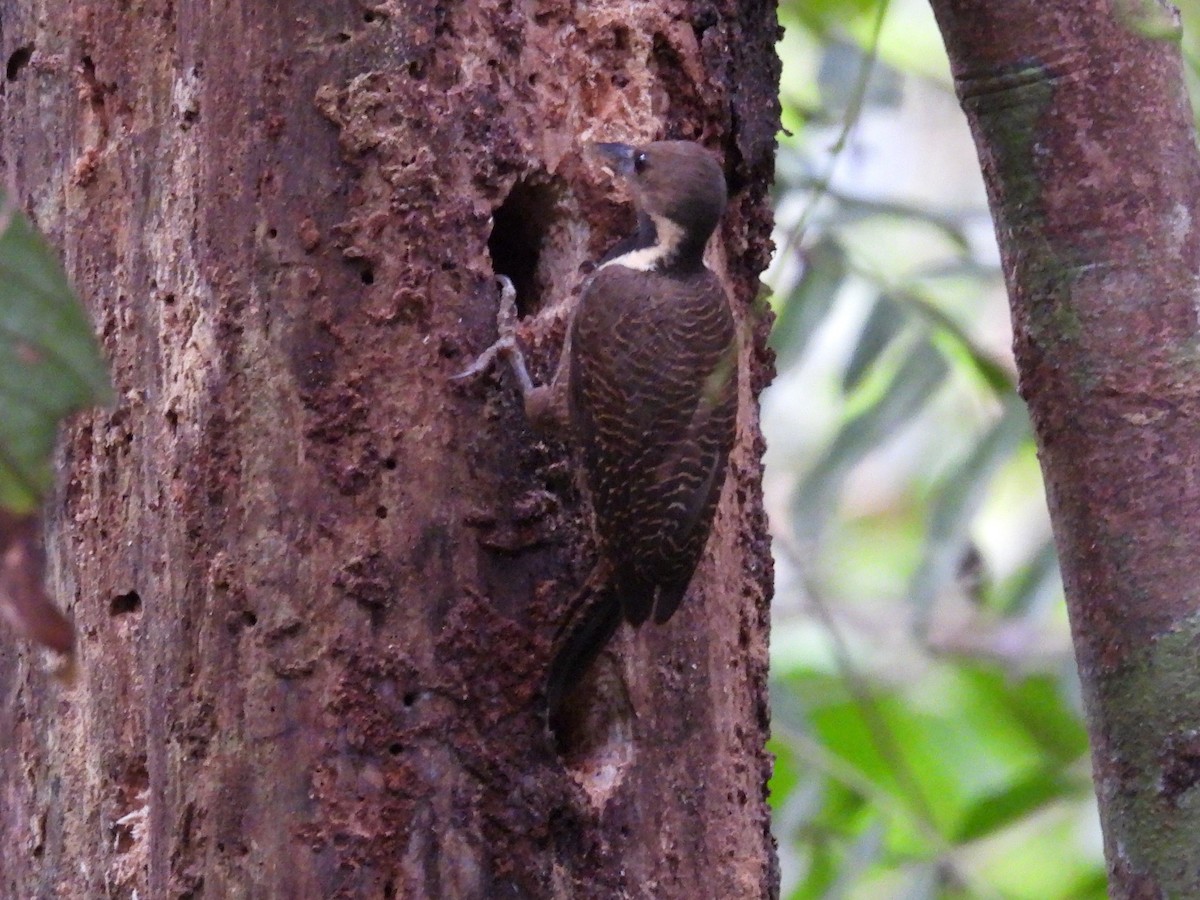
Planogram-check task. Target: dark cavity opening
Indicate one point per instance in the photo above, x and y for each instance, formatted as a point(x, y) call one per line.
point(519, 230)
point(18, 60)
point(593, 724)
point(123, 604)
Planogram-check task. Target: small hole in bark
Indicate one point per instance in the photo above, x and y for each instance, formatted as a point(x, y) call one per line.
point(272, 233)
point(519, 230)
point(410, 698)
point(448, 348)
point(343, 37)
point(169, 299)
point(249, 619)
point(389, 890)
point(123, 604)
point(367, 275)
point(706, 20)
point(381, 512)
point(17, 61)
point(396, 748)
point(1180, 766)
point(390, 463)
point(124, 838)
point(444, 27)
point(416, 69)
point(370, 16)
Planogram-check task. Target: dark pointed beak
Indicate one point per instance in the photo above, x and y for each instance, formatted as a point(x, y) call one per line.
point(618, 157)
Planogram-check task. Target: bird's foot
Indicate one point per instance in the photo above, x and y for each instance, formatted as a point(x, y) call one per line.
point(503, 347)
point(506, 345)
point(506, 315)
point(506, 327)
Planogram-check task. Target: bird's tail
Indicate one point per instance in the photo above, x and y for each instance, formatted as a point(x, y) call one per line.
point(591, 621)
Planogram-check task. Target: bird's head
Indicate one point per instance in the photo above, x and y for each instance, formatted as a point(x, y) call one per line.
point(678, 185)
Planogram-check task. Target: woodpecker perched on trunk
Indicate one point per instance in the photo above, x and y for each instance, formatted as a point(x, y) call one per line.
point(647, 386)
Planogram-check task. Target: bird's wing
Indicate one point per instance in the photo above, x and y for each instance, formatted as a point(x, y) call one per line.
point(653, 399)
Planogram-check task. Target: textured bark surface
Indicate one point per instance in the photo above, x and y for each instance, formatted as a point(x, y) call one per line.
point(1087, 145)
point(315, 584)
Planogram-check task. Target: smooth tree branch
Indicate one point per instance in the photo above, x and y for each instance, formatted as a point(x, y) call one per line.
point(1087, 145)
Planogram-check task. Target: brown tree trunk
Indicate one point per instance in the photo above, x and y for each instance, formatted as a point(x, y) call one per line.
point(316, 584)
point(1087, 142)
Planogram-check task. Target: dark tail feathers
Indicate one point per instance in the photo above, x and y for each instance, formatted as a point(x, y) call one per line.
point(594, 618)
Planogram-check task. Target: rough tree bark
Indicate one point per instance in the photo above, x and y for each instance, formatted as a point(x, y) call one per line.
point(315, 584)
point(1087, 143)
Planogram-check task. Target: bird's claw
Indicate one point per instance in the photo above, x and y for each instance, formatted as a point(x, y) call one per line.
point(506, 316)
point(484, 360)
point(507, 320)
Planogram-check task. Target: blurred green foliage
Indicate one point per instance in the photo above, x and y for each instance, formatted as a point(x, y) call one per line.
point(928, 731)
point(50, 364)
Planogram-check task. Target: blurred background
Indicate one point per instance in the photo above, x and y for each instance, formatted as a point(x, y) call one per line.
point(928, 732)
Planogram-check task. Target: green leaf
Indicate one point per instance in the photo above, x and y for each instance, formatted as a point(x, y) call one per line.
point(862, 853)
point(821, 16)
point(1043, 860)
point(825, 267)
point(961, 343)
point(1014, 802)
point(784, 774)
point(1035, 580)
point(884, 322)
point(955, 503)
point(918, 376)
point(1045, 712)
point(50, 364)
point(1151, 20)
point(851, 210)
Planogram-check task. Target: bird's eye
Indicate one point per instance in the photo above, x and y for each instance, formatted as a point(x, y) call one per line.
point(639, 163)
